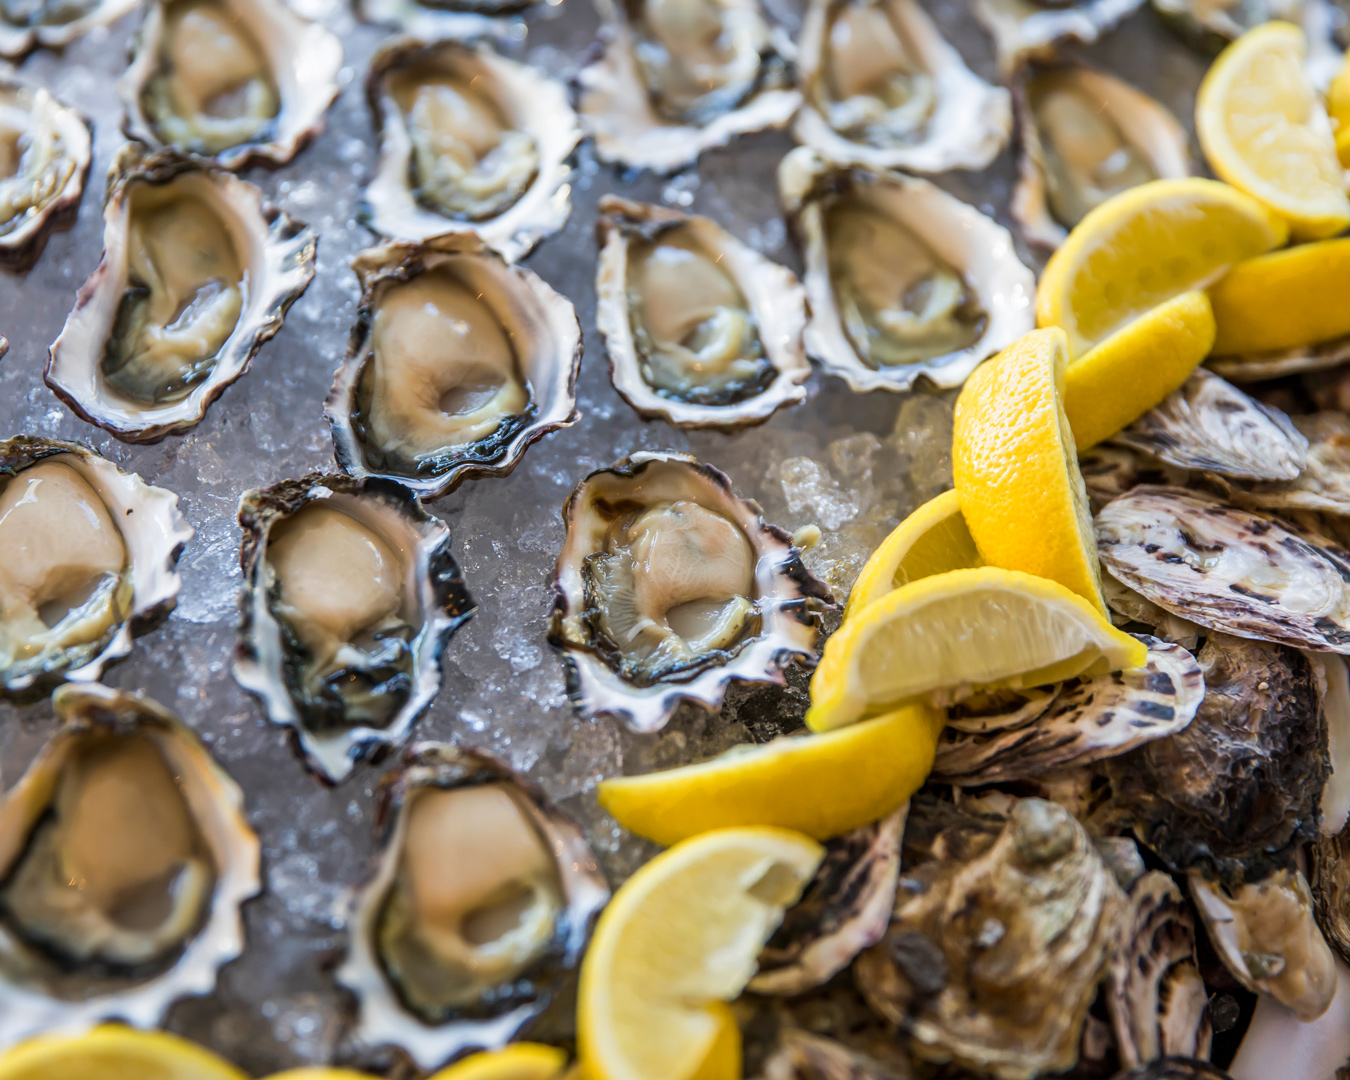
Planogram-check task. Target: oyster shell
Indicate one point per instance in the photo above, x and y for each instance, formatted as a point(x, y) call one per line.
point(1324, 483)
point(1209, 25)
point(470, 142)
point(1332, 675)
point(669, 587)
point(1109, 470)
point(89, 557)
point(803, 1056)
point(350, 596)
point(479, 909)
point(1024, 29)
point(1174, 1068)
point(53, 24)
point(197, 273)
point(1256, 367)
point(883, 89)
point(464, 20)
point(1277, 1043)
point(125, 855)
point(673, 79)
point(905, 282)
point(242, 81)
point(458, 363)
point(45, 150)
point(1000, 711)
point(701, 330)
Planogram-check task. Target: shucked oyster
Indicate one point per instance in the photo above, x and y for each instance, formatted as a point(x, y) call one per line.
point(469, 142)
point(241, 81)
point(350, 595)
point(669, 587)
point(457, 364)
point(28, 24)
point(45, 150)
point(461, 19)
point(1027, 28)
point(479, 909)
point(678, 77)
point(883, 89)
point(700, 329)
point(197, 274)
point(124, 857)
point(87, 557)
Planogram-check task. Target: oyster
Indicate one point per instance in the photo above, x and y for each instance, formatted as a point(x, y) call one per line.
point(470, 142)
point(458, 363)
point(1209, 25)
point(52, 24)
point(1086, 136)
point(1109, 470)
point(674, 78)
point(882, 89)
point(89, 556)
point(1174, 1068)
point(350, 596)
point(241, 81)
point(996, 711)
point(464, 20)
point(1324, 483)
point(479, 909)
point(1256, 367)
point(701, 330)
point(45, 150)
point(1332, 675)
point(1024, 29)
point(803, 1056)
point(997, 944)
point(197, 273)
point(904, 281)
point(669, 587)
point(125, 855)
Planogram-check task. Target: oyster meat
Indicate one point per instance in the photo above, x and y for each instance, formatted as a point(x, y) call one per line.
point(479, 909)
point(198, 272)
point(701, 330)
point(457, 365)
point(350, 596)
point(52, 24)
point(1024, 29)
point(669, 587)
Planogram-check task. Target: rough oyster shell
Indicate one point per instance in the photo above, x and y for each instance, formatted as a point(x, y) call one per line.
point(1002, 710)
point(966, 121)
point(1257, 367)
point(1210, 26)
point(96, 629)
point(1324, 483)
point(778, 623)
point(462, 19)
point(538, 326)
point(17, 39)
point(1174, 1068)
point(966, 251)
point(1110, 470)
point(768, 342)
point(578, 891)
point(297, 62)
point(625, 116)
point(803, 1056)
point(274, 258)
point(368, 692)
point(51, 151)
point(40, 993)
point(1024, 28)
point(524, 176)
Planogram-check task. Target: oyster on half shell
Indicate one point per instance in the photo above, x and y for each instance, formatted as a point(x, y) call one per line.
point(669, 587)
point(52, 24)
point(458, 363)
point(700, 329)
point(197, 273)
point(461, 19)
point(1024, 29)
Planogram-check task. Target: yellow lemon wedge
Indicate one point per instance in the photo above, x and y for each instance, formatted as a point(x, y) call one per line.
point(1283, 300)
point(1264, 130)
point(1016, 467)
point(111, 1052)
point(1144, 247)
point(1111, 386)
point(322, 1072)
point(681, 935)
point(1338, 106)
point(724, 1057)
point(519, 1061)
point(957, 632)
point(820, 785)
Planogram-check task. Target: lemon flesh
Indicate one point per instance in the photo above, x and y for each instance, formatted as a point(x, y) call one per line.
point(520, 1061)
point(682, 934)
point(943, 637)
point(724, 1058)
point(1284, 300)
point(1338, 106)
point(115, 1053)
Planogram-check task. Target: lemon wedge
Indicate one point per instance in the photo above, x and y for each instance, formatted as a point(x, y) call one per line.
point(1338, 106)
point(1283, 300)
point(519, 1061)
point(962, 631)
point(321, 1072)
point(724, 1058)
point(682, 934)
point(111, 1052)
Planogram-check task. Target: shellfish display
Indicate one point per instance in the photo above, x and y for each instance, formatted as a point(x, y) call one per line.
point(1024, 29)
point(53, 24)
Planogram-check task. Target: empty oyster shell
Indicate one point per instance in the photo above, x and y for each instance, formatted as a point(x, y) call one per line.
point(197, 273)
point(701, 330)
point(669, 587)
point(89, 556)
point(479, 909)
point(241, 81)
point(45, 150)
point(1324, 483)
point(675, 79)
point(1257, 367)
point(905, 282)
point(53, 24)
point(883, 89)
point(125, 855)
point(469, 142)
point(350, 596)
point(458, 363)
point(1086, 136)
point(1025, 28)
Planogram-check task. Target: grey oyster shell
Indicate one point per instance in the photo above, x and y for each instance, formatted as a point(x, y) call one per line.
point(496, 1004)
point(982, 714)
point(1109, 470)
point(1324, 484)
point(1024, 29)
point(54, 24)
point(64, 964)
point(462, 19)
point(368, 692)
point(1257, 367)
point(538, 326)
point(997, 945)
point(97, 628)
point(87, 366)
point(1174, 1068)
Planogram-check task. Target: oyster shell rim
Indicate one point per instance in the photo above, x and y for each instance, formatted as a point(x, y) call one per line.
point(1016, 39)
point(16, 42)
